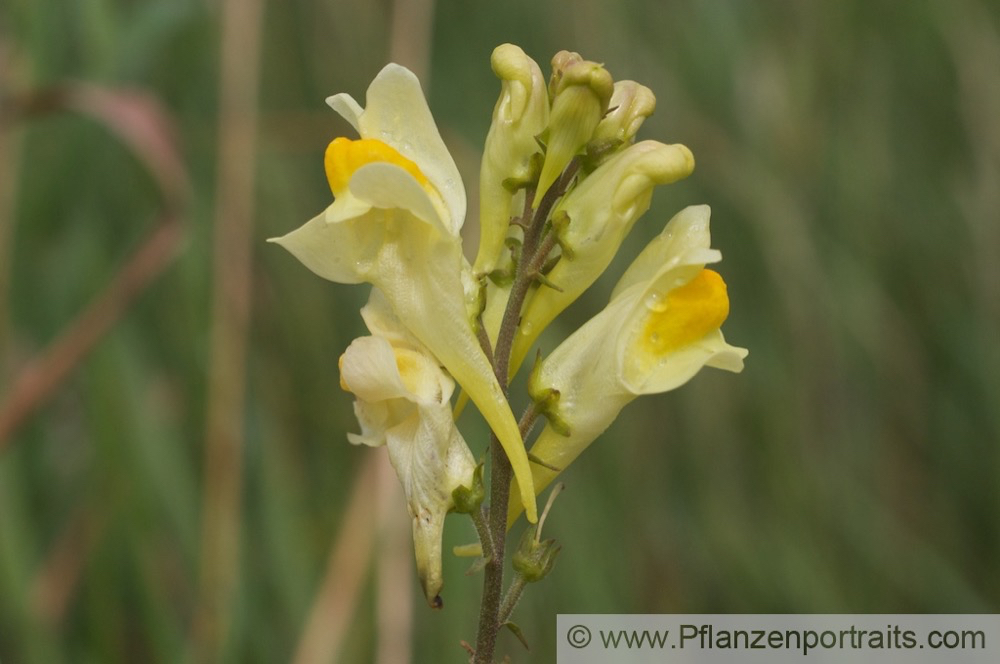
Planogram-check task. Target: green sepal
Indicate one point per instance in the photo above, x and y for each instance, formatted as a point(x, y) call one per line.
point(542, 279)
point(514, 245)
point(504, 276)
point(543, 141)
point(471, 550)
point(501, 278)
point(470, 499)
point(512, 185)
point(533, 560)
point(481, 303)
point(515, 184)
point(560, 222)
point(547, 403)
point(550, 263)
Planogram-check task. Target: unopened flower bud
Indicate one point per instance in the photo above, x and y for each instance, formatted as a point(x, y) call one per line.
point(511, 156)
point(581, 92)
point(601, 211)
point(468, 499)
point(561, 61)
point(630, 105)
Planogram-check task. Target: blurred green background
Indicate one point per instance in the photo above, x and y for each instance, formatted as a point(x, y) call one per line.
point(180, 489)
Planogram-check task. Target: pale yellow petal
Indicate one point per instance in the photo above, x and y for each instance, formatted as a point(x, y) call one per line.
point(368, 369)
point(374, 418)
point(320, 246)
point(680, 366)
point(520, 115)
point(686, 232)
point(388, 186)
point(382, 321)
point(397, 113)
point(630, 105)
point(431, 460)
point(347, 107)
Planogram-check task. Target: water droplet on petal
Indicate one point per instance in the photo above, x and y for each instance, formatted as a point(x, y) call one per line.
point(655, 301)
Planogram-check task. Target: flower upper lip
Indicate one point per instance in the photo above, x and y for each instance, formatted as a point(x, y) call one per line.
point(412, 133)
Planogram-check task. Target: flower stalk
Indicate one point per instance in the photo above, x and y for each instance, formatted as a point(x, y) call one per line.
point(535, 251)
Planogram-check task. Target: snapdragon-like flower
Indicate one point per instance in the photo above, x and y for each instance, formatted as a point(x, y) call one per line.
point(511, 154)
point(660, 328)
point(398, 208)
point(597, 216)
point(403, 403)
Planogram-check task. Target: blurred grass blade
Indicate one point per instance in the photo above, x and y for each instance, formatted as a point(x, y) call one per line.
point(349, 561)
point(139, 121)
point(222, 487)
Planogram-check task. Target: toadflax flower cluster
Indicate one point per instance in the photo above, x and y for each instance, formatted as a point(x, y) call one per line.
point(562, 183)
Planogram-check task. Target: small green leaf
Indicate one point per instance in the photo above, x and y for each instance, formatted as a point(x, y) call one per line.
point(478, 566)
point(518, 633)
point(535, 460)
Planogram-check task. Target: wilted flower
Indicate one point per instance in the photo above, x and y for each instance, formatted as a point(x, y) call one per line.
point(403, 403)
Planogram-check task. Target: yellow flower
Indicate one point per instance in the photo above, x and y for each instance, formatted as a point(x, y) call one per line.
point(631, 103)
point(599, 214)
point(580, 90)
point(403, 403)
point(660, 328)
point(520, 115)
point(398, 207)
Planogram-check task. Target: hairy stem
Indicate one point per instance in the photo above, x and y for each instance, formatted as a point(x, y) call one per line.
point(511, 598)
point(479, 519)
point(534, 251)
point(489, 610)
